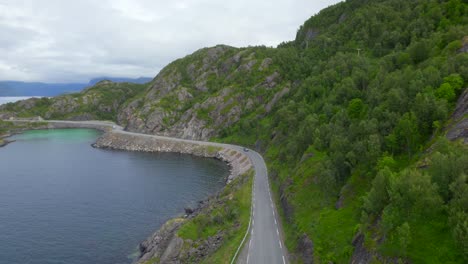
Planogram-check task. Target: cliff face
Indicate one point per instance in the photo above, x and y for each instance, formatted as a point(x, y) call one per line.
point(364, 86)
point(195, 97)
point(458, 129)
point(199, 95)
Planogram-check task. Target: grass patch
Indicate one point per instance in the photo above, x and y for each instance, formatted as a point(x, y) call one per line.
point(314, 208)
point(213, 149)
point(229, 215)
point(427, 235)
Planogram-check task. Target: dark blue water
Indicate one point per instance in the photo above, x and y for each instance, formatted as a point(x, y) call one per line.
point(62, 201)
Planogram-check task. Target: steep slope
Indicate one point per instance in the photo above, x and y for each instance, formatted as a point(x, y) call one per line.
point(197, 96)
point(350, 117)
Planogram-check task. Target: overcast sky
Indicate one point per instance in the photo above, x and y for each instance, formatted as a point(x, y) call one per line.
point(73, 41)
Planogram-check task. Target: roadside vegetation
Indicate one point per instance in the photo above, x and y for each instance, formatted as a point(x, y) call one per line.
point(355, 146)
point(214, 231)
point(227, 215)
point(374, 85)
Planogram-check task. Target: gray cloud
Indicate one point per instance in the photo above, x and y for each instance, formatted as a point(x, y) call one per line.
point(64, 40)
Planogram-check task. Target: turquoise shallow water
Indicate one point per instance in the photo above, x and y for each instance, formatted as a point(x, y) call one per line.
point(62, 201)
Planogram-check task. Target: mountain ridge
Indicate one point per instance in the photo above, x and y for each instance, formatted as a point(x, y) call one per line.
point(20, 88)
point(350, 117)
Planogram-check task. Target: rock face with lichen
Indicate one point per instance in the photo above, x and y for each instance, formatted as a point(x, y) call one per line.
point(458, 128)
point(197, 96)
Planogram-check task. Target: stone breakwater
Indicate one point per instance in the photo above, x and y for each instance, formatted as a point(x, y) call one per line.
point(238, 162)
point(164, 245)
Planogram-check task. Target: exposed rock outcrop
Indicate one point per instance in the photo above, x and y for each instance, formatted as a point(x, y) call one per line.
point(176, 102)
point(162, 243)
point(458, 129)
point(362, 255)
point(306, 247)
point(464, 47)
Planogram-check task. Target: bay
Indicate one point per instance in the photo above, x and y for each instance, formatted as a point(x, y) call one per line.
point(62, 201)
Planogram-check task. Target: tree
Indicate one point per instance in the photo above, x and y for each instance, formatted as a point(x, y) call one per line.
point(404, 237)
point(445, 169)
point(355, 108)
point(376, 200)
point(428, 109)
point(413, 193)
point(458, 213)
point(455, 80)
point(407, 134)
point(446, 91)
point(419, 52)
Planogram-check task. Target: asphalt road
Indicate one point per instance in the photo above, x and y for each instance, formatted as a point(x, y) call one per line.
point(264, 243)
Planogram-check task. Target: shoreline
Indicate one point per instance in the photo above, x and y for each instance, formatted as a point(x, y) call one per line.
point(162, 240)
point(238, 162)
point(4, 142)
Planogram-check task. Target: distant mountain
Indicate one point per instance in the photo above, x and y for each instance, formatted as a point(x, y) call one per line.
point(343, 115)
point(17, 88)
point(140, 80)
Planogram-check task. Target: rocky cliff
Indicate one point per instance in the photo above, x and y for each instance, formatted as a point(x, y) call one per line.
point(458, 128)
point(197, 96)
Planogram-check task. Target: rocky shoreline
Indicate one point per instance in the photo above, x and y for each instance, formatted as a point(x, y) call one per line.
point(164, 244)
point(4, 142)
point(238, 162)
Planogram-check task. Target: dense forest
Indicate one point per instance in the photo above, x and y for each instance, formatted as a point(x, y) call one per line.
point(356, 148)
point(355, 140)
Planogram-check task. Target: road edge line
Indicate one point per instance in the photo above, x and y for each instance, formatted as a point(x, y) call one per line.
point(250, 217)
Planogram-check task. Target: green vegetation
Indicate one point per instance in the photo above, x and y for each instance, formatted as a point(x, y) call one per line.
point(343, 146)
point(102, 101)
point(354, 149)
point(7, 127)
point(229, 215)
point(213, 149)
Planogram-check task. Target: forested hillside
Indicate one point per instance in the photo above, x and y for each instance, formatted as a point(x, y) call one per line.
point(374, 84)
point(351, 117)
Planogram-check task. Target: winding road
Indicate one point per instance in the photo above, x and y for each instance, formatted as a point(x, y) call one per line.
point(263, 242)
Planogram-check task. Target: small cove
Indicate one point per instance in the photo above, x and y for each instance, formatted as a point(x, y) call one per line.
point(62, 201)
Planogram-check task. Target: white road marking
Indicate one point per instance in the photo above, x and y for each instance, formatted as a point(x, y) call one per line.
point(277, 232)
point(255, 158)
point(279, 242)
point(284, 262)
point(275, 222)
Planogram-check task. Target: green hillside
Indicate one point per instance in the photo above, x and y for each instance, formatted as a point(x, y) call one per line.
point(351, 117)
